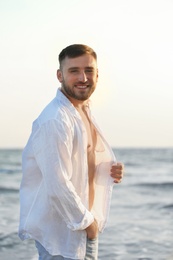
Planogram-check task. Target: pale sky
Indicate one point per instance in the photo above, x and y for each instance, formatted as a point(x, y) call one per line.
point(133, 102)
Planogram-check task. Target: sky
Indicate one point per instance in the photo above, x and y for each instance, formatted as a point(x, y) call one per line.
point(133, 102)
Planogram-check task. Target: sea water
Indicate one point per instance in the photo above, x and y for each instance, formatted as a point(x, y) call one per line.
point(140, 225)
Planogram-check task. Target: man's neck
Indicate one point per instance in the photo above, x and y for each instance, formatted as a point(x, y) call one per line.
point(78, 104)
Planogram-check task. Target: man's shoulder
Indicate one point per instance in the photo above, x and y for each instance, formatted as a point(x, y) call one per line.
point(50, 111)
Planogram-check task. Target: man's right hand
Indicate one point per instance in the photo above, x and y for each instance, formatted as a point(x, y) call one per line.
point(92, 230)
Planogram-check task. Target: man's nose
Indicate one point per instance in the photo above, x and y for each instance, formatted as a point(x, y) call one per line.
point(82, 76)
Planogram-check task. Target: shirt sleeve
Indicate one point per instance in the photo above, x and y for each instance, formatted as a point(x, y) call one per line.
point(52, 145)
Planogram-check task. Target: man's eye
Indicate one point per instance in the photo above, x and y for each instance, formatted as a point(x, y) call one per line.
point(73, 71)
point(89, 70)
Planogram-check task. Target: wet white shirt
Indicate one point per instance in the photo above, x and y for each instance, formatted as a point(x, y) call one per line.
point(54, 189)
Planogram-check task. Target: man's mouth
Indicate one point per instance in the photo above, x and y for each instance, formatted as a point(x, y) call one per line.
point(81, 87)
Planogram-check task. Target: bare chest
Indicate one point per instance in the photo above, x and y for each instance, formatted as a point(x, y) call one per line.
point(91, 134)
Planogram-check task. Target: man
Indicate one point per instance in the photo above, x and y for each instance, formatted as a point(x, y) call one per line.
point(68, 167)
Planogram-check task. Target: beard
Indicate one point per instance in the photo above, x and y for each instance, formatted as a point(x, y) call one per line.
point(78, 94)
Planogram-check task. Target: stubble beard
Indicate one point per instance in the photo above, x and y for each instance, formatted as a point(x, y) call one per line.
point(81, 96)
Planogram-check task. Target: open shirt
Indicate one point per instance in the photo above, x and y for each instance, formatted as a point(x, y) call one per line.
point(54, 189)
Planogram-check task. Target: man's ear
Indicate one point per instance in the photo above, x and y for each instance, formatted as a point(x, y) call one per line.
point(59, 75)
point(97, 74)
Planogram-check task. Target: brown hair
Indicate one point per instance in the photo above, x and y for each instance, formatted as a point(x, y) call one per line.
point(76, 50)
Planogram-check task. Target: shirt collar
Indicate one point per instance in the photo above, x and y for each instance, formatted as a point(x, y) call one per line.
point(66, 102)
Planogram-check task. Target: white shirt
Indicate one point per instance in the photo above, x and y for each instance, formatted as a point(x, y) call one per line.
point(54, 187)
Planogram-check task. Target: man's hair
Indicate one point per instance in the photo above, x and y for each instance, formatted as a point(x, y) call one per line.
point(76, 50)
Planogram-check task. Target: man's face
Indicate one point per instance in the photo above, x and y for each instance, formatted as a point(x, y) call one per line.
point(78, 77)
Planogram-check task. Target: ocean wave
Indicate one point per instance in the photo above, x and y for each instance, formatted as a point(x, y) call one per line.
point(8, 190)
point(169, 206)
point(162, 185)
point(9, 171)
point(9, 240)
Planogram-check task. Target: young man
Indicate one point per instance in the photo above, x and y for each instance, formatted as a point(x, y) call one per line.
point(68, 167)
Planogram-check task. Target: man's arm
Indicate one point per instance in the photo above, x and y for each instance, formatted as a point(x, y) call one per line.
point(52, 145)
